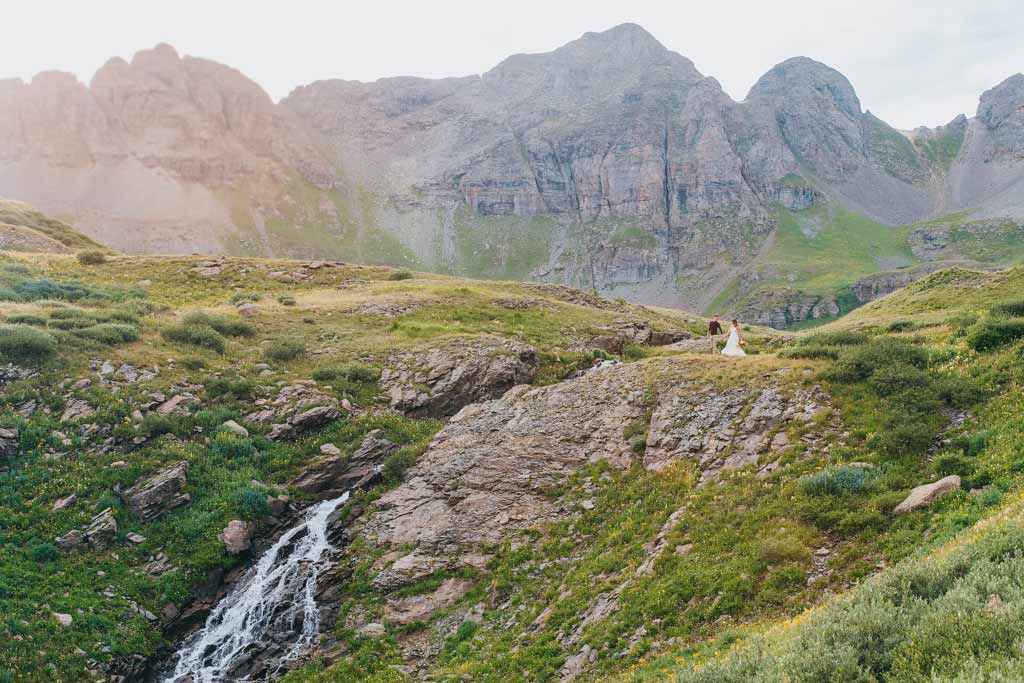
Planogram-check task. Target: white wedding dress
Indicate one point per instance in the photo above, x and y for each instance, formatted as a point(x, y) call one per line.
point(732, 346)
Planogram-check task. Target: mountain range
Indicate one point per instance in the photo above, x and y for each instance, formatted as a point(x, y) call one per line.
point(610, 163)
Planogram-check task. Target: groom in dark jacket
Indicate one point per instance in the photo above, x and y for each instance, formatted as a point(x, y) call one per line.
point(714, 329)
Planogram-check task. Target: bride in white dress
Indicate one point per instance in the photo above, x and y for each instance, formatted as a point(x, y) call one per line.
point(734, 346)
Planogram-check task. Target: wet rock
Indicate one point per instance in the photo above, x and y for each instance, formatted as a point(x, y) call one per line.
point(331, 476)
point(157, 495)
point(237, 536)
point(438, 381)
point(926, 494)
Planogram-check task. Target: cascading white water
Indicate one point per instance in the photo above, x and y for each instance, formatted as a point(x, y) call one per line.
point(276, 595)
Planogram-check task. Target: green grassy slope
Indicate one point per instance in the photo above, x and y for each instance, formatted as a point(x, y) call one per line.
point(23, 216)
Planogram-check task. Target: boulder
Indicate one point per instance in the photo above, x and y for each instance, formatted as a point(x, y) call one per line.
point(9, 441)
point(152, 497)
point(926, 494)
point(64, 503)
point(101, 533)
point(235, 428)
point(77, 409)
point(373, 630)
point(248, 309)
point(72, 540)
point(64, 620)
point(237, 536)
point(177, 405)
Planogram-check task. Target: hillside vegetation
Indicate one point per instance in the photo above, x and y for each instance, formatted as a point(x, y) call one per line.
point(677, 505)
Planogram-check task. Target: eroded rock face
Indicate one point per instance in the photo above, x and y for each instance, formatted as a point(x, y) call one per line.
point(157, 495)
point(298, 407)
point(723, 430)
point(416, 608)
point(330, 476)
point(485, 471)
point(438, 381)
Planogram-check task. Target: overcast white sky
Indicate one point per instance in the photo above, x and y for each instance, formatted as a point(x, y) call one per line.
point(912, 63)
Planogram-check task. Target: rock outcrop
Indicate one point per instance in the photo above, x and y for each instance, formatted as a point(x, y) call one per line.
point(154, 496)
point(330, 476)
point(297, 407)
point(438, 381)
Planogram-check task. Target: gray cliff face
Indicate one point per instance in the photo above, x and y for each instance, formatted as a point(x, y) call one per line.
point(610, 163)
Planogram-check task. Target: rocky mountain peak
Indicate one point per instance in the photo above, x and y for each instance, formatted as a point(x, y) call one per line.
point(804, 79)
point(1002, 102)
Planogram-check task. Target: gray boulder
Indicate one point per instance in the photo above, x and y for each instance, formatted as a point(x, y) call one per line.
point(157, 495)
point(926, 494)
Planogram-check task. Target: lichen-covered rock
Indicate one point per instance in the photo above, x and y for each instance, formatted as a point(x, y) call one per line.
point(101, 532)
point(438, 381)
point(297, 407)
point(157, 495)
point(9, 441)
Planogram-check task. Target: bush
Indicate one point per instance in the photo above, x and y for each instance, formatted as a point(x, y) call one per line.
point(1010, 309)
point(193, 363)
point(350, 372)
point(244, 297)
point(903, 326)
point(110, 333)
point(252, 503)
point(92, 257)
point(973, 444)
point(33, 290)
point(195, 335)
point(397, 463)
point(837, 338)
point(284, 349)
point(25, 344)
point(845, 480)
point(400, 275)
point(958, 391)
point(239, 387)
point(902, 438)
point(230, 446)
point(26, 319)
point(286, 300)
point(229, 326)
point(992, 333)
point(892, 379)
point(858, 363)
point(44, 552)
point(811, 352)
point(950, 463)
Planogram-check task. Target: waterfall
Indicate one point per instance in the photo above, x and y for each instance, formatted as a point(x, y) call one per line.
point(275, 598)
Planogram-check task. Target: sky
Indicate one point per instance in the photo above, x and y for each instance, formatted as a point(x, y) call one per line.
point(912, 63)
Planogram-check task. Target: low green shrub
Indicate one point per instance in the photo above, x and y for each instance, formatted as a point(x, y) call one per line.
point(25, 344)
point(252, 503)
point(400, 275)
point(951, 463)
point(859, 362)
point(286, 300)
point(959, 391)
point(44, 552)
point(229, 326)
point(229, 446)
point(836, 338)
point(1010, 309)
point(284, 349)
point(196, 335)
point(244, 297)
point(110, 333)
point(26, 319)
point(845, 480)
point(811, 352)
point(992, 333)
point(91, 257)
point(889, 380)
point(234, 385)
point(902, 438)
